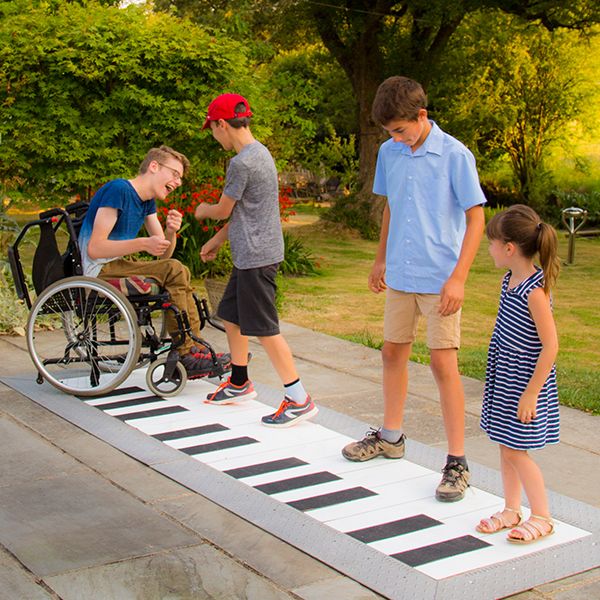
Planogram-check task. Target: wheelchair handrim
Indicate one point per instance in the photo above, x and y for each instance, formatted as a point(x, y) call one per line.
point(70, 297)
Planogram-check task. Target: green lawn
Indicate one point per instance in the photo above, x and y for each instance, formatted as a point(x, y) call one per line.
point(338, 303)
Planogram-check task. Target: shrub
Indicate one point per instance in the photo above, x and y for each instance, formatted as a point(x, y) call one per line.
point(350, 212)
point(13, 312)
point(298, 259)
point(490, 211)
point(193, 234)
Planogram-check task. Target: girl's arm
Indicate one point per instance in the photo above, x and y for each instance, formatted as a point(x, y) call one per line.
point(541, 312)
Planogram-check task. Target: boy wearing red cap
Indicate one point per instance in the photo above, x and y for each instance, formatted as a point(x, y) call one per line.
point(250, 201)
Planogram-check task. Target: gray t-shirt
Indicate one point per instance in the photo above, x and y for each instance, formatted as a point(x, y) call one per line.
point(255, 226)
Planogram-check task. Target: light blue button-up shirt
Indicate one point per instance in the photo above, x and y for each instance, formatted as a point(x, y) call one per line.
point(428, 192)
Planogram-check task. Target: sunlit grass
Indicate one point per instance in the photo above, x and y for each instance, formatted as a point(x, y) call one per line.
point(338, 303)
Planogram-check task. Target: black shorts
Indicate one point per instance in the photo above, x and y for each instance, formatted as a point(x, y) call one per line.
point(249, 301)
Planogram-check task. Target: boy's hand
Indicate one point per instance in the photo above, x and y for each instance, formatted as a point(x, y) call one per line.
point(526, 411)
point(377, 278)
point(200, 212)
point(210, 250)
point(156, 245)
point(452, 295)
point(174, 220)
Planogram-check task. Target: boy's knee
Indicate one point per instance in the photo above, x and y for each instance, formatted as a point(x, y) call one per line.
point(177, 270)
point(444, 362)
point(392, 353)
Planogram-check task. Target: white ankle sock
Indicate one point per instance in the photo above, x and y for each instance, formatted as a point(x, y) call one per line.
point(296, 392)
point(390, 435)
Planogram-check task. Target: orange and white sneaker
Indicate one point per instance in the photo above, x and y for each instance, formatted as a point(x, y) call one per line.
point(227, 393)
point(289, 413)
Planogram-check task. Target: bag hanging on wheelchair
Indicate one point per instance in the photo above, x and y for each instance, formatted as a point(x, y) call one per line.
point(48, 263)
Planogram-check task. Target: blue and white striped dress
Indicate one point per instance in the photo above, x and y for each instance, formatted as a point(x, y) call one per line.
point(513, 353)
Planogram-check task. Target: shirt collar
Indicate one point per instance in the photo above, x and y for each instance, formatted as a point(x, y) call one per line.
point(433, 143)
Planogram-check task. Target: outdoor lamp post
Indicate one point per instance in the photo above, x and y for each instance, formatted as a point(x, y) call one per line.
point(569, 216)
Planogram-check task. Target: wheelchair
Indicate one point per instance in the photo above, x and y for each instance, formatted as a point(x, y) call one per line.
point(84, 335)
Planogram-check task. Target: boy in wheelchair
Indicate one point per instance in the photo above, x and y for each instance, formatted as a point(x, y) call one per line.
point(109, 233)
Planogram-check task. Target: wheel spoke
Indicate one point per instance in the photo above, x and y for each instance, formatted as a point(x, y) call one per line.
point(83, 356)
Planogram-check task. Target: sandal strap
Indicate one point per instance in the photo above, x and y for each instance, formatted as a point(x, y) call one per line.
point(548, 520)
point(513, 510)
point(497, 522)
point(526, 532)
point(491, 525)
point(530, 530)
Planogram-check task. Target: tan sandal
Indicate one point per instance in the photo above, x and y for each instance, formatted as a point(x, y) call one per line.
point(497, 522)
point(531, 530)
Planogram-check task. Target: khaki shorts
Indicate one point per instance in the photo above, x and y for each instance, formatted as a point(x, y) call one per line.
point(402, 312)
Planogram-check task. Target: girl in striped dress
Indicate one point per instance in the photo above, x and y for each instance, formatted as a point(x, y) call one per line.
point(520, 404)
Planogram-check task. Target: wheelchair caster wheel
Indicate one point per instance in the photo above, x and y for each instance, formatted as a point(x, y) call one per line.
point(165, 386)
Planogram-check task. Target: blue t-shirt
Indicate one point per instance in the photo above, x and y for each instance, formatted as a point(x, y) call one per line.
point(428, 192)
point(132, 211)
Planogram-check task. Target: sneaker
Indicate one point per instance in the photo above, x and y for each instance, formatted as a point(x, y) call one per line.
point(200, 364)
point(373, 445)
point(455, 481)
point(289, 413)
point(227, 393)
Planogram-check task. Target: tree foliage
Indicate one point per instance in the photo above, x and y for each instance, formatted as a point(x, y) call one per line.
point(86, 90)
point(513, 93)
point(373, 39)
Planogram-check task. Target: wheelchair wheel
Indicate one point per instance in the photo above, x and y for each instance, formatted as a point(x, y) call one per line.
point(165, 386)
point(83, 337)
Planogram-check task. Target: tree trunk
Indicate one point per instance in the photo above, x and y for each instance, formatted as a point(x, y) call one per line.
point(362, 62)
point(370, 137)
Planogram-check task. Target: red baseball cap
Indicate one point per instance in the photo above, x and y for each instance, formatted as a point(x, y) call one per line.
point(223, 107)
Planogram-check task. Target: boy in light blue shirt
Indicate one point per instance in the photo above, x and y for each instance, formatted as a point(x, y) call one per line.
point(431, 230)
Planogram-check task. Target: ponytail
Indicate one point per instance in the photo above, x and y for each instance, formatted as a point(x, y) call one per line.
point(547, 246)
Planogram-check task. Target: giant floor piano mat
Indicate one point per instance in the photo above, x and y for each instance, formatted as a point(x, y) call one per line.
point(377, 522)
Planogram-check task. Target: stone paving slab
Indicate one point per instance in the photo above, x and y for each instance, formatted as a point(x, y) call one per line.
point(253, 507)
point(580, 432)
point(287, 566)
point(69, 520)
point(199, 572)
point(17, 583)
point(17, 466)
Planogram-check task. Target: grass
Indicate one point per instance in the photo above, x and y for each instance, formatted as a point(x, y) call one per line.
point(338, 303)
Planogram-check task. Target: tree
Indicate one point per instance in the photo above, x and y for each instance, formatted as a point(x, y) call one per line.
point(311, 103)
point(86, 90)
point(514, 93)
point(372, 39)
